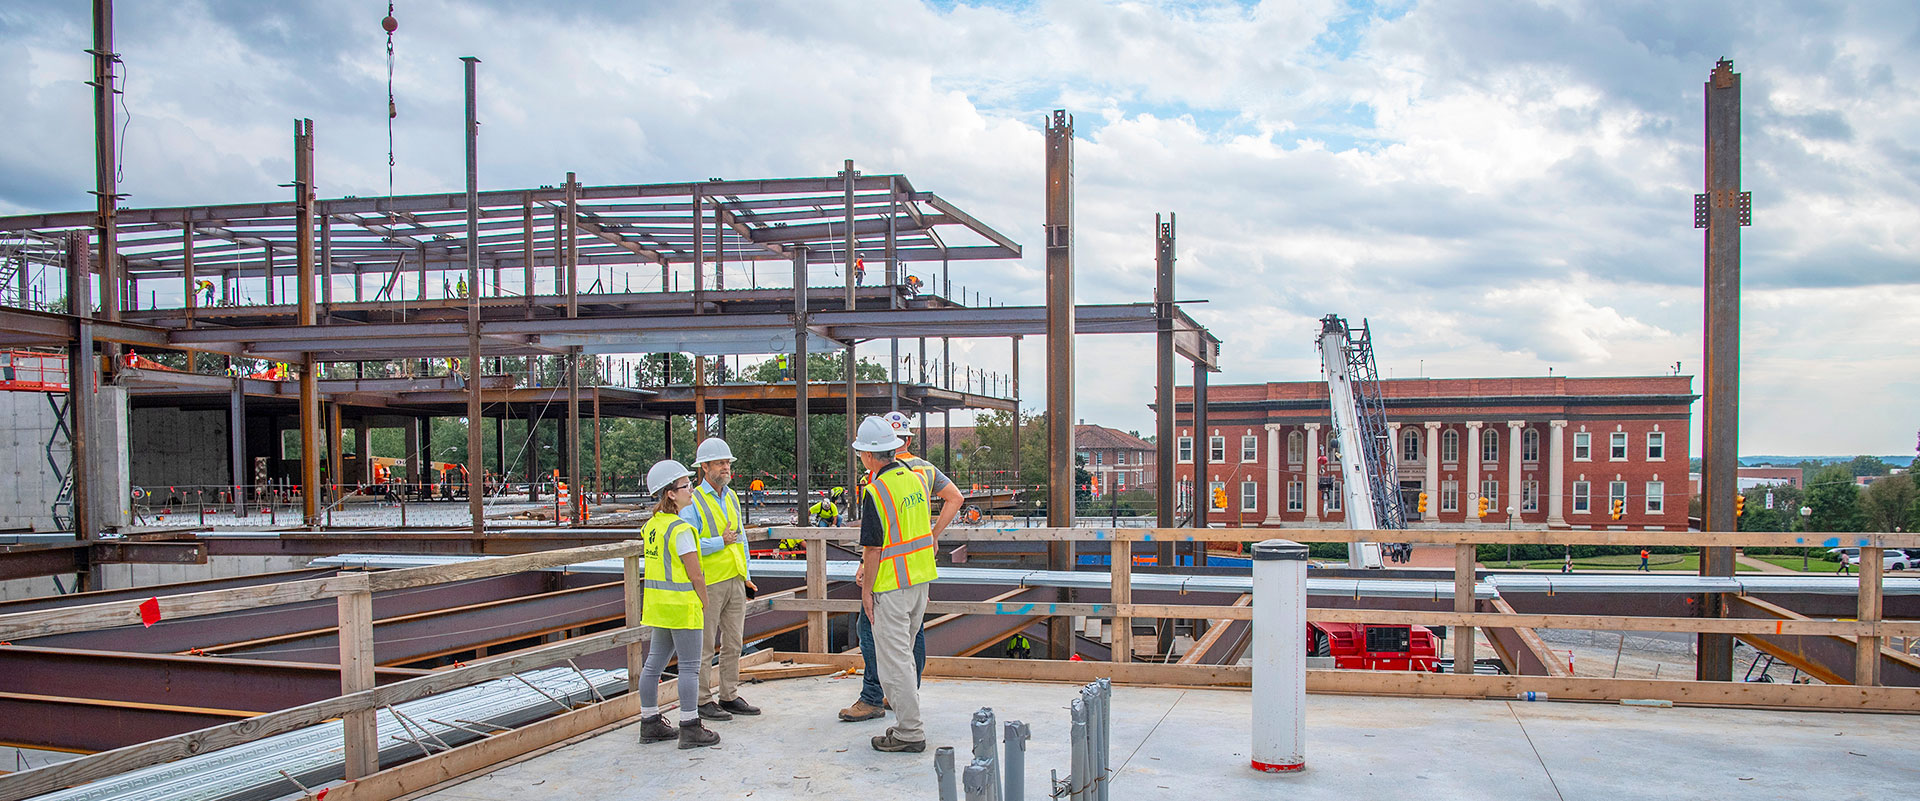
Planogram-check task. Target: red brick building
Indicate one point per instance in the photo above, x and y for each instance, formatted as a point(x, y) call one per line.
point(1119, 461)
point(1558, 450)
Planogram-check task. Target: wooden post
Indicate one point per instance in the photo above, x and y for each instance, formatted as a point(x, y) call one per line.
point(1866, 654)
point(816, 590)
point(636, 656)
point(1122, 577)
point(1464, 557)
point(356, 674)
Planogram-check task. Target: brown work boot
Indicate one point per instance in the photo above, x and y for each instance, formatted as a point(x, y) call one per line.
point(656, 729)
point(712, 711)
point(694, 735)
point(861, 711)
point(739, 706)
point(884, 703)
point(888, 742)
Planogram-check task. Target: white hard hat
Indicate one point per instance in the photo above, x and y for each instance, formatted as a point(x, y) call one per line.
point(713, 449)
point(876, 436)
point(663, 474)
point(902, 424)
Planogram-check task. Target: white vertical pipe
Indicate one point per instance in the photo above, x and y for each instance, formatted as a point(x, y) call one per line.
point(1279, 656)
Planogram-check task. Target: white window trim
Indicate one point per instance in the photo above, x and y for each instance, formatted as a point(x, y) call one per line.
point(1622, 497)
point(1334, 496)
point(1245, 441)
point(1530, 496)
point(1663, 446)
point(1454, 437)
point(1183, 444)
point(1449, 496)
point(1249, 496)
point(1410, 435)
point(1222, 457)
point(1577, 447)
point(1656, 501)
point(1624, 445)
point(1582, 498)
point(1530, 438)
point(1296, 496)
point(1486, 437)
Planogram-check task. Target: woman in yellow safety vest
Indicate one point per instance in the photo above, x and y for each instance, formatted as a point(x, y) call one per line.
point(673, 597)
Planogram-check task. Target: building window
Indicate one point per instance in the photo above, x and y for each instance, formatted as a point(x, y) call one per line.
point(1185, 445)
point(1581, 491)
point(1616, 493)
point(1249, 496)
point(1213, 488)
point(1249, 448)
point(1656, 497)
point(1296, 496)
point(1333, 497)
point(1119, 481)
point(1489, 445)
point(1099, 457)
point(1530, 445)
point(1529, 496)
point(1490, 490)
point(1617, 446)
point(1183, 496)
point(1656, 446)
point(1582, 446)
point(1296, 447)
point(1216, 449)
point(1450, 446)
point(1409, 445)
point(1449, 495)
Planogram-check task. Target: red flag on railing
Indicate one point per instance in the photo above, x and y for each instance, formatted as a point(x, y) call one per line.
point(150, 612)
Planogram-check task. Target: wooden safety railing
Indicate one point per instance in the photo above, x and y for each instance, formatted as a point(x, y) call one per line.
point(1867, 628)
point(359, 697)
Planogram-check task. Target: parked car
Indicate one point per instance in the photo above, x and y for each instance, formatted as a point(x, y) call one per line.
point(1890, 559)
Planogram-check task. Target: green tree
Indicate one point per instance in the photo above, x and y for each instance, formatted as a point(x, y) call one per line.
point(1835, 500)
point(1868, 466)
point(1888, 502)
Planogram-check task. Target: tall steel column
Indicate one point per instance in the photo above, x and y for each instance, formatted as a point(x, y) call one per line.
point(1060, 452)
point(476, 460)
point(106, 171)
point(308, 296)
point(1018, 421)
point(852, 368)
point(80, 377)
point(1722, 210)
point(802, 433)
point(1163, 418)
point(1202, 448)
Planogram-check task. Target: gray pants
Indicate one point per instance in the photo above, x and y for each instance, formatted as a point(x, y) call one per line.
point(726, 617)
point(668, 644)
point(897, 616)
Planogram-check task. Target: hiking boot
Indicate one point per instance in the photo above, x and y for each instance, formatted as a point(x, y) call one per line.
point(861, 711)
point(888, 742)
point(656, 729)
point(694, 735)
point(712, 711)
point(739, 706)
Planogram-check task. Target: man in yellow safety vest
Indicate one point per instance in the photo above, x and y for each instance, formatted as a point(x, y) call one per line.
point(715, 513)
point(897, 541)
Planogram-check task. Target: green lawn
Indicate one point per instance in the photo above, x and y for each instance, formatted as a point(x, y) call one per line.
point(1689, 563)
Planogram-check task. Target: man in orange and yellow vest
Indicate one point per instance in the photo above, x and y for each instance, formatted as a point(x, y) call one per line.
point(897, 540)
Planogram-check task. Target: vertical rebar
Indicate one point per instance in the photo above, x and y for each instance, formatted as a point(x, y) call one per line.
point(1078, 767)
point(1014, 779)
point(943, 773)
point(1103, 761)
point(984, 749)
point(979, 781)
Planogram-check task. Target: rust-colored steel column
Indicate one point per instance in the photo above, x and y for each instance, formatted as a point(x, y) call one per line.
point(105, 171)
point(336, 464)
point(526, 253)
point(1018, 422)
point(1163, 418)
point(80, 378)
point(476, 459)
point(573, 247)
point(802, 436)
point(1202, 448)
point(1721, 210)
point(310, 487)
point(852, 361)
point(326, 265)
point(599, 484)
point(188, 280)
point(699, 258)
point(1060, 452)
point(578, 497)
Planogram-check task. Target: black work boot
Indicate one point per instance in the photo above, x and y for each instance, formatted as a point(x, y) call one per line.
point(739, 706)
point(712, 711)
point(694, 735)
point(656, 729)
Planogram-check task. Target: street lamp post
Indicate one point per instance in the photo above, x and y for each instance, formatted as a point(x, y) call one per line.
point(1805, 513)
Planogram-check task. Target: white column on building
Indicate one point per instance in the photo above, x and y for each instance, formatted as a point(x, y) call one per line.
point(1473, 469)
point(1431, 485)
point(1312, 490)
point(1273, 473)
point(1513, 466)
point(1556, 475)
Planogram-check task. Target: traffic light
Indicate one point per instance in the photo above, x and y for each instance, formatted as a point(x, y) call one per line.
point(1619, 506)
point(1739, 505)
point(1483, 507)
point(1219, 498)
point(1422, 508)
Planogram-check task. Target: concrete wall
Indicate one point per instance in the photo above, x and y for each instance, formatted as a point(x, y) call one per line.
point(181, 449)
point(110, 491)
point(27, 485)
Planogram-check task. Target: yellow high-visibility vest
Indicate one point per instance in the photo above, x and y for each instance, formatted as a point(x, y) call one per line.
point(907, 557)
point(667, 598)
point(717, 517)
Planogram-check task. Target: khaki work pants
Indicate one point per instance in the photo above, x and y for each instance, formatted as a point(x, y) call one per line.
point(897, 617)
point(726, 616)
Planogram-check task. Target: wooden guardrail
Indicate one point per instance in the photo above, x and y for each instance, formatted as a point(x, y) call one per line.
point(1867, 628)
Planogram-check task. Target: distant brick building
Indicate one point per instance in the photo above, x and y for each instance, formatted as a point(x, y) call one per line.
point(1119, 461)
point(1559, 450)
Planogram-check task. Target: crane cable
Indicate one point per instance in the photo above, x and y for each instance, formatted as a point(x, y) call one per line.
point(389, 24)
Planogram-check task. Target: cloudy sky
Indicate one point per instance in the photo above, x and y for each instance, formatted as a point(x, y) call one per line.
point(1501, 188)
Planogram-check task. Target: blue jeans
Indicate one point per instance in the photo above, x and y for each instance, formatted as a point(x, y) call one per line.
point(870, 691)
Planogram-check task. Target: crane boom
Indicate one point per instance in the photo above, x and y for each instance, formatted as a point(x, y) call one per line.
point(1370, 483)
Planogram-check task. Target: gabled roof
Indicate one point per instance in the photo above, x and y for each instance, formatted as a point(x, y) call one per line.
point(1093, 436)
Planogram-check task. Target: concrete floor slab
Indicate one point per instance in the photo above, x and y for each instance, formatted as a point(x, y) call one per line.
point(1193, 744)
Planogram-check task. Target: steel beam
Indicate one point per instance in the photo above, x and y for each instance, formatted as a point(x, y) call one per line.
point(1060, 329)
point(1724, 213)
point(1163, 261)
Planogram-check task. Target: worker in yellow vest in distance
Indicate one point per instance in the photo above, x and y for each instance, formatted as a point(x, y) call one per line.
point(872, 702)
point(715, 513)
point(673, 600)
point(897, 540)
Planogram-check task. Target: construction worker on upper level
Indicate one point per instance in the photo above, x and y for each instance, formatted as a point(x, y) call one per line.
point(873, 702)
point(673, 600)
point(715, 513)
point(897, 540)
